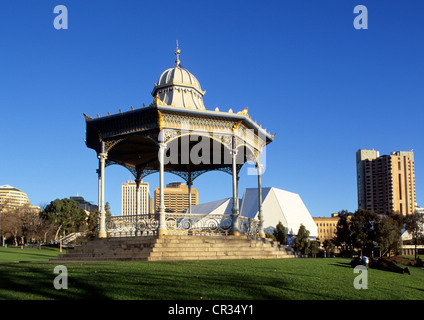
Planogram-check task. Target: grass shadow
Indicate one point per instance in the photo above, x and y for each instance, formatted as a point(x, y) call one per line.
point(342, 264)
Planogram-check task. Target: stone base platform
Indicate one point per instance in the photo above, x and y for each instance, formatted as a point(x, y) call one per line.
point(172, 248)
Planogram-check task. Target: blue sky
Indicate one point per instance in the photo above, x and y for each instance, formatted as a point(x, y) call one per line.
point(300, 67)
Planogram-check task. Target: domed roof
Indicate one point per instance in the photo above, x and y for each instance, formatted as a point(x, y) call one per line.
point(178, 87)
point(178, 75)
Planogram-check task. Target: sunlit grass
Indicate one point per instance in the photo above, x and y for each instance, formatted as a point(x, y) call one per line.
point(22, 254)
point(208, 280)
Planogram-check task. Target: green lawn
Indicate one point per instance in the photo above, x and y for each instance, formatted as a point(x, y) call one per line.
point(195, 280)
point(17, 254)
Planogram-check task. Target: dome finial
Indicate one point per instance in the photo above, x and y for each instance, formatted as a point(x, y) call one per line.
point(177, 53)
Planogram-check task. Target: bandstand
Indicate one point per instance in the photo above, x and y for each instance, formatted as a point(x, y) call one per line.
point(177, 134)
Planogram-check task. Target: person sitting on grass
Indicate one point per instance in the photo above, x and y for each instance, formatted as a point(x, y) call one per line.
point(358, 261)
point(419, 262)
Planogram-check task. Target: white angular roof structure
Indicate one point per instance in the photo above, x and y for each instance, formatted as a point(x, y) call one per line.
point(223, 206)
point(277, 205)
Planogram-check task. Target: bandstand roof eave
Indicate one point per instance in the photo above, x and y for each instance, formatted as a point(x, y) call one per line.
point(220, 114)
point(109, 117)
point(207, 113)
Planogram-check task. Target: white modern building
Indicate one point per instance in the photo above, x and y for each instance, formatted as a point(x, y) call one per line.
point(277, 205)
point(129, 198)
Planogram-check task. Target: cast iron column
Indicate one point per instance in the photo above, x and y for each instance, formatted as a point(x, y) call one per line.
point(102, 223)
point(137, 205)
point(162, 230)
point(235, 228)
point(260, 213)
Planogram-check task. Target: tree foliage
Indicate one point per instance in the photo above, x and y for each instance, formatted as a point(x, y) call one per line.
point(343, 232)
point(414, 224)
point(23, 224)
point(329, 247)
point(302, 242)
point(67, 214)
point(26, 224)
point(363, 230)
point(92, 221)
point(314, 248)
point(388, 232)
point(280, 233)
point(369, 232)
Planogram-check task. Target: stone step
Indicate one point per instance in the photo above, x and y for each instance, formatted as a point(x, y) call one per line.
point(183, 247)
point(104, 257)
point(202, 238)
point(98, 259)
point(188, 246)
point(220, 257)
point(211, 248)
point(230, 252)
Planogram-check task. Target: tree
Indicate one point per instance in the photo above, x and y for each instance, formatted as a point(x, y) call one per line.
point(280, 233)
point(107, 210)
point(302, 242)
point(388, 232)
point(329, 247)
point(314, 248)
point(414, 224)
point(92, 221)
point(343, 238)
point(34, 227)
point(11, 225)
point(3, 205)
point(363, 231)
point(65, 214)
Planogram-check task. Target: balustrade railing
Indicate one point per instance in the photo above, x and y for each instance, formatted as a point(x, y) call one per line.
point(178, 224)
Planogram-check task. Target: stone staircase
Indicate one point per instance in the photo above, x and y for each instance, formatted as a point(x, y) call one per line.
point(71, 237)
point(171, 248)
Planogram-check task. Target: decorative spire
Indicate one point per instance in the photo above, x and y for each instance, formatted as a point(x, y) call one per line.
point(177, 53)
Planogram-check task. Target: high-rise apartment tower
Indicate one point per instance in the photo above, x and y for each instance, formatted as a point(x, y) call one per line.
point(386, 183)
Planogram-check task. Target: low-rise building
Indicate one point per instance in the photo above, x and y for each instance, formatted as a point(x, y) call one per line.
point(327, 227)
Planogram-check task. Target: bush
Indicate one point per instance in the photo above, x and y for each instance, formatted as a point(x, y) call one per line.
point(280, 233)
point(302, 242)
point(271, 236)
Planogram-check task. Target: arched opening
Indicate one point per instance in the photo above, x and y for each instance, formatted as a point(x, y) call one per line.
point(189, 156)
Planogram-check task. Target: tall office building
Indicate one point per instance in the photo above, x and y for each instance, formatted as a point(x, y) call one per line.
point(176, 197)
point(386, 183)
point(129, 198)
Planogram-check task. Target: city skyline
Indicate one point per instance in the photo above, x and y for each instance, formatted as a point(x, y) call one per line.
point(302, 69)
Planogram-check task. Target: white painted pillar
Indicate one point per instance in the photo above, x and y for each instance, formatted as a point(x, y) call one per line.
point(189, 184)
point(162, 230)
point(137, 205)
point(235, 228)
point(102, 223)
point(260, 213)
point(99, 197)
